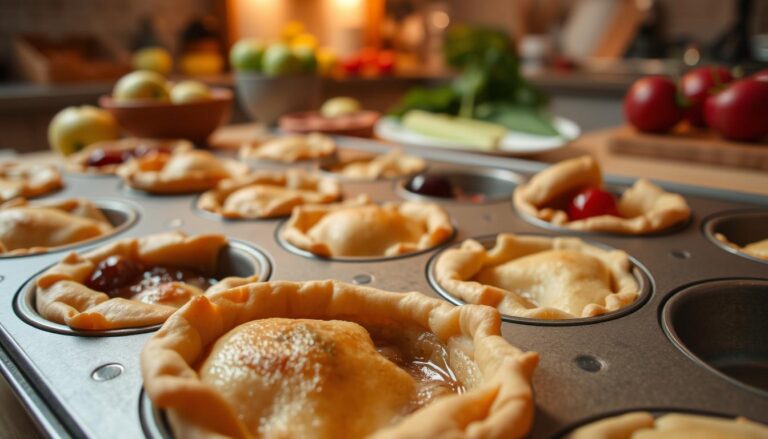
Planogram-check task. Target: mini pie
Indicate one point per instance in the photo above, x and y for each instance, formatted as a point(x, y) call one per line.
point(538, 277)
point(28, 181)
point(265, 194)
point(758, 249)
point(645, 207)
point(181, 171)
point(642, 425)
point(112, 153)
point(360, 227)
point(299, 359)
point(146, 295)
point(390, 165)
point(26, 228)
point(291, 148)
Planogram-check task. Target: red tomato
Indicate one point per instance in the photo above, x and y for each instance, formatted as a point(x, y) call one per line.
point(368, 56)
point(591, 202)
point(651, 104)
point(352, 65)
point(385, 62)
point(697, 85)
point(740, 112)
point(762, 75)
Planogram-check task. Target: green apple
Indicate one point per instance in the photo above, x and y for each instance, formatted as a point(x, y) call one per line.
point(339, 106)
point(155, 59)
point(246, 55)
point(190, 91)
point(280, 60)
point(74, 128)
point(141, 85)
point(307, 59)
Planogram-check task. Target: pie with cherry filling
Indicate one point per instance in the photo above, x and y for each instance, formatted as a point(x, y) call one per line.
point(390, 165)
point(758, 249)
point(643, 208)
point(26, 180)
point(325, 359)
point(642, 425)
point(361, 228)
point(35, 228)
point(265, 194)
point(291, 148)
point(131, 282)
point(106, 156)
point(179, 171)
point(538, 277)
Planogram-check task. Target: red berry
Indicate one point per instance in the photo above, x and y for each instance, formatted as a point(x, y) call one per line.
point(591, 202)
point(697, 85)
point(651, 105)
point(431, 186)
point(104, 157)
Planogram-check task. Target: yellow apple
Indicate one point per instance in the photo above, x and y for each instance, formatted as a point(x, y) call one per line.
point(189, 91)
point(155, 59)
point(339, 106)
point(201, 64)
point(141, 85)
point(74, 128)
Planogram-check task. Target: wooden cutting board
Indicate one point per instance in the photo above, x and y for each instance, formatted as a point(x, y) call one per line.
point(690, 145)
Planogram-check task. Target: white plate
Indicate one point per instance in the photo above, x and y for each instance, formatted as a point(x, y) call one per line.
point(513, 143)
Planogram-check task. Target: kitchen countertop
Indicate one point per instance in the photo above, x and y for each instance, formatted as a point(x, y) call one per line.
point(15, 424)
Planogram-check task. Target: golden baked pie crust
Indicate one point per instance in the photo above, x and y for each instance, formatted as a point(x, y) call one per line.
point(646, 207)
point(62, 297)
point(20, 180)
point(455, 269)
point(498, 402)
point(758, 249)
point(290, 148)
point(182, 171)
point(36, 228)
point(78, 162)
point(668, 426)
point(393, 164)
point(266, 194)
point(358, 225)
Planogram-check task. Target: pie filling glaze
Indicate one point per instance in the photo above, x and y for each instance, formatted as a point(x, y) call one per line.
point(265, 194)
point(758, 249)
point(181, 171)
point(323, 359)
point(390, 165)
point(644, 208)
point(538, 277)
point(35, 228)
point(361, 228)
point(131, 282)
point(26, 181)
point(642, 425)
point(106, 156)
point(291, 148)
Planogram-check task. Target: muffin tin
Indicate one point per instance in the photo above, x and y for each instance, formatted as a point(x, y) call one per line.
point(704, 308)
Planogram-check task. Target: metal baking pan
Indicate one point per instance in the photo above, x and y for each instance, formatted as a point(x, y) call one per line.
point(91, 386)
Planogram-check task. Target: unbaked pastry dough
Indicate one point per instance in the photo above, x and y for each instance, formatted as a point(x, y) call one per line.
point(265, 194)
point(182, 171)
point(758, 249)
point(360, 227)
point(62, 297)
point(78, 162)
point(35, 228)
point(390, 165)
point(538, 277)
point(642, 425)
point(291, 148)
point(645, 207)
point(321, 378)
point(28, 181)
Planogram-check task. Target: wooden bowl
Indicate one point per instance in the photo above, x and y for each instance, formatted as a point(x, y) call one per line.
point(359, 124)
point(194, 121)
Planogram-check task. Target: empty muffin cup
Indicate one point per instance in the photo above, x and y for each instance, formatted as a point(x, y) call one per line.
point(723, 326)
point(737, 232)
point(472, 186)
point(235, 259)
point(120, 214)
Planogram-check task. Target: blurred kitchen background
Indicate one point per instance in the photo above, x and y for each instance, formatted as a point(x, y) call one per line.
point(584, 53)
